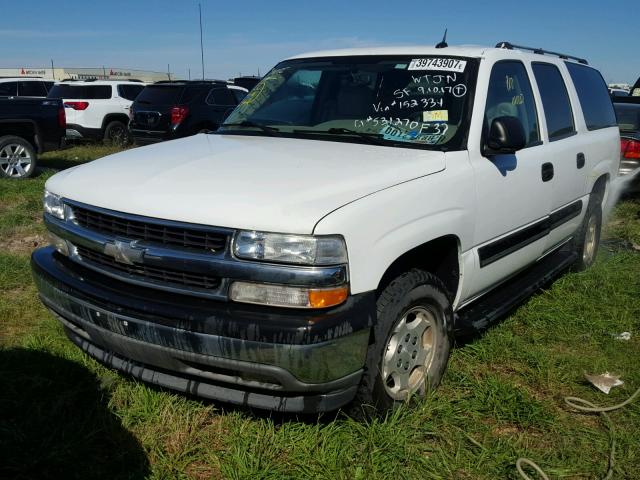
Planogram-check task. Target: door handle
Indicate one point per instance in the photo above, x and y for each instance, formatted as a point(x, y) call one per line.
point(580, 160)
point(547, 171)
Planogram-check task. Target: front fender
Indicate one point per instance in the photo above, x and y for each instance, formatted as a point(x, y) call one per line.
point(381, 227)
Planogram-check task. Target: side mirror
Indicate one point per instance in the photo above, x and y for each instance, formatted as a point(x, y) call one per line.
point(506, 135)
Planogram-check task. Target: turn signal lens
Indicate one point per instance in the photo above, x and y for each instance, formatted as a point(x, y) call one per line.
point(286, 296)
point(327, 298)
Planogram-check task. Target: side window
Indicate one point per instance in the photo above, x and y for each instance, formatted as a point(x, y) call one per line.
point(129, 92)
point(239, 94)
point(510, 95)
point(48, 85)
point(555, 100)
point(8, 89)
point(221, 96)
point(593, 95)
point(31, 89)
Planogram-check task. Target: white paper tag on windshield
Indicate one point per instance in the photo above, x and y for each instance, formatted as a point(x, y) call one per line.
point(442, 64)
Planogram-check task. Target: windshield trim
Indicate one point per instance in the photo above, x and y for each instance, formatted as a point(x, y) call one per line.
point(473, 64)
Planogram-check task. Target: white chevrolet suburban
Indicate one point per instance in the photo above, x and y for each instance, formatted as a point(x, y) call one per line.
point(355, 211)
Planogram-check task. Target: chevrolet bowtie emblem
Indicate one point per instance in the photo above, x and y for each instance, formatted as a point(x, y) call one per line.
point(125, 252)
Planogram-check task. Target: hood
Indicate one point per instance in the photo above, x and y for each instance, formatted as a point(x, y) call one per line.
point(252, 182)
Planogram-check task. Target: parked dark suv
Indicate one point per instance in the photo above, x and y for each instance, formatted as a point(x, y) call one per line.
point(168, 110)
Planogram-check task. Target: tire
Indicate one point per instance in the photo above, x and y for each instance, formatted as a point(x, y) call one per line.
point(116, 133)
point(587, 239)
point(395, 370)
point(18, 158)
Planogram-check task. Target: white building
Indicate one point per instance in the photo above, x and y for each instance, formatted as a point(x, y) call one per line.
point(104, 73)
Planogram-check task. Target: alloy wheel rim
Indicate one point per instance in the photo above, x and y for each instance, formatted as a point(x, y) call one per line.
point(409, 353)
point(117, 135)
point(589, 248)
point(15, 160)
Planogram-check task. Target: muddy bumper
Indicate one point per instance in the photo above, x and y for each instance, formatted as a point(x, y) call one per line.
point(270, 358)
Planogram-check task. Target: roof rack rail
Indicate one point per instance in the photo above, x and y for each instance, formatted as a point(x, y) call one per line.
point(540, 51)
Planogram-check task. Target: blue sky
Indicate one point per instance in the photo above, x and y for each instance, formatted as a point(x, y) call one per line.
point(247, 35)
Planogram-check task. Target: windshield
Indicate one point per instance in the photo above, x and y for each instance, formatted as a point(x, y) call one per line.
point(401, 101)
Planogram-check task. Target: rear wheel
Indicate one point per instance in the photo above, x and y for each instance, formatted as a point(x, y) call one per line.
point(17, 157)
point(412, 342)
point(116, 133)
point(587, 238)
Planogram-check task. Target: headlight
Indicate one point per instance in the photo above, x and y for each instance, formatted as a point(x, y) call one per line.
point(285, 248)
point(53, 205)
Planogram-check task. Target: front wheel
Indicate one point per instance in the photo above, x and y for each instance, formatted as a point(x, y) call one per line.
point(412, 342)
point(17, 158)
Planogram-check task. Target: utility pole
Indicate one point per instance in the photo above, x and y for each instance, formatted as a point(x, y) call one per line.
point(201, 44)
point(53, 71)
point(189, 74)
point(168, 72)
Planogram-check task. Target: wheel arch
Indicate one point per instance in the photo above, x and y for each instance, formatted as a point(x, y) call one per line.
point(439, 256)
point(110, 117)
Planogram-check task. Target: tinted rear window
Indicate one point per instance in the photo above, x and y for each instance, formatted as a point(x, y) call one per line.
point(32, 89)
point(160, 94)
point(129, 92)
point(555, 100)
point(593, 96)
point(628, 116)
point(8, 89)
point(80, 92)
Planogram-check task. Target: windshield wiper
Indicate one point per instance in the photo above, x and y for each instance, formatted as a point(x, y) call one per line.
point(372, 138)
point(250, 124)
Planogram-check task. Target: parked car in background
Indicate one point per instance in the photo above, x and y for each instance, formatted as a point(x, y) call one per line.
point(618, 92)
point(97, 109)
point(635, 90)
point(248, 81)
point(28, 127)
point(356, 210)
point(628, 115)
point(168, 110)
point(24, 87)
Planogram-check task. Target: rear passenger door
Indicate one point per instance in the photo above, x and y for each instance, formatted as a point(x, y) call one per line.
point(564, 150)
point(513, 201)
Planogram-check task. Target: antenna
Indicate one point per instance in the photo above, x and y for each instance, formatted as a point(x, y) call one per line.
point(201, 47)
point(443, 43)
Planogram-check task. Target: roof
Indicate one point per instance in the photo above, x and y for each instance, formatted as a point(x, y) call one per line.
point(503, 49)
point(462, 51)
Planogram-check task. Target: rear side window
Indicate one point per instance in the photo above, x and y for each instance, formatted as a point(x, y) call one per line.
point(593, 95)
point(221, 96)
point(129, 92)
point(8, 89)
point(80, 92)
point(510, 95)
point(160, 94)
point(555, 100)
point(31, 89)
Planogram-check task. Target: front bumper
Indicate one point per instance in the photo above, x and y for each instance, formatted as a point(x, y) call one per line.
point(211, 349)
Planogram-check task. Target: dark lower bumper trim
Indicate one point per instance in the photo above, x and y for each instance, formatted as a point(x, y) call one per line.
point(292, 404)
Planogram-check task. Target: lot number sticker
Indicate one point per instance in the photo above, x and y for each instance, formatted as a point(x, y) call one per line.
point(446, 64)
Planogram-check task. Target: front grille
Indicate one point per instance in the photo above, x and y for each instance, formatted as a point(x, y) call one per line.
point(145, 272)
point(173, 236)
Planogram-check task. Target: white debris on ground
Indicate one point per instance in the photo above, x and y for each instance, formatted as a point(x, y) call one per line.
point(622, 336)
point(604, 382)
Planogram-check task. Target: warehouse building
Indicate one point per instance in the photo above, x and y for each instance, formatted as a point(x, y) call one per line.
point(103, 73)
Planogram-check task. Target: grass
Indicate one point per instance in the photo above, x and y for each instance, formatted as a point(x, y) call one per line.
point(62, 415)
